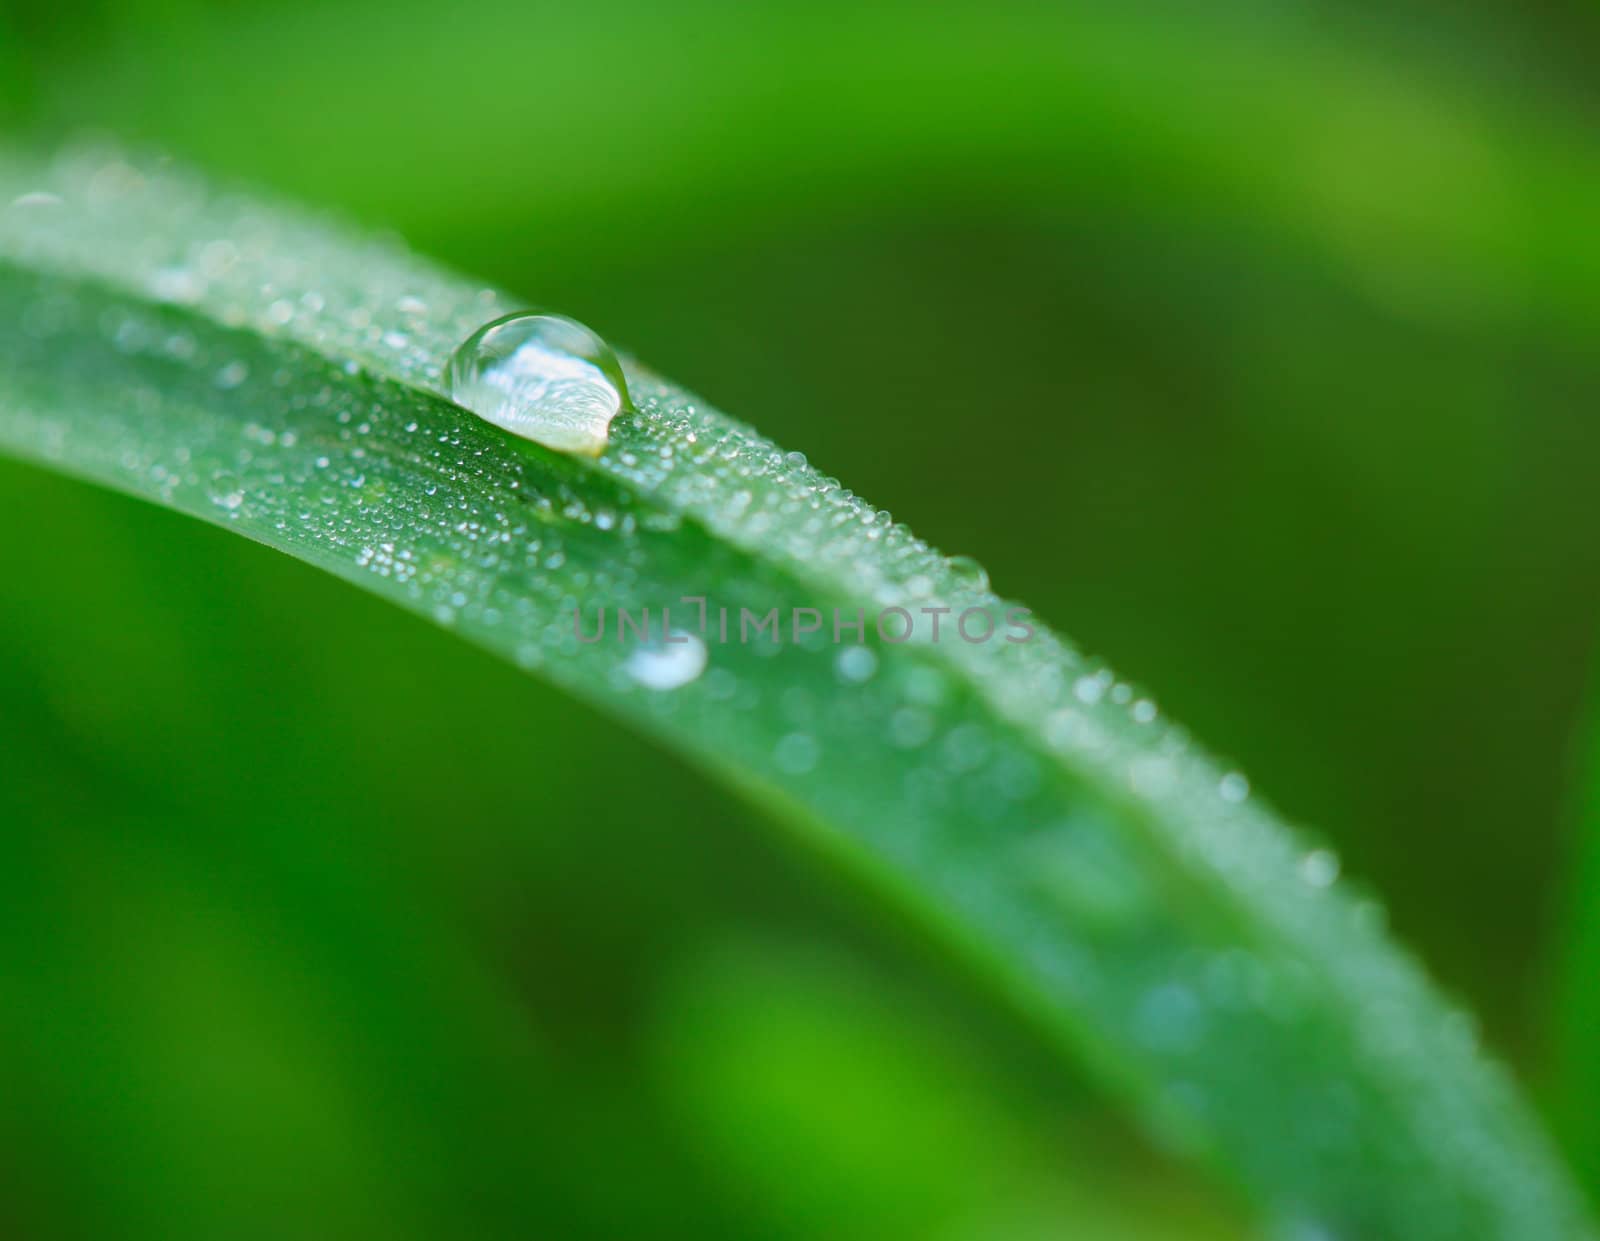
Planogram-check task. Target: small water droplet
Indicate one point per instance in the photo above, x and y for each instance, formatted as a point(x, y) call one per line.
point(926, 685)
point(1234, 787)
point(670, 664)
point(1369, 917)
point(1169, 1017)
point(910, 727)
point(968, 573)
point(542, 376)
point(856, 664)
point(37, 198)
point(176, 284)
point(796, 753)
point(1461, 1028)
point(1319, 868)
point(232, 375)
point(1152, 775)
point(217, 257)
point(1089, 689)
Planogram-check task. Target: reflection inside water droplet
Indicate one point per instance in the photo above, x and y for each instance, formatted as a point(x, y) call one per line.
point(544, 377)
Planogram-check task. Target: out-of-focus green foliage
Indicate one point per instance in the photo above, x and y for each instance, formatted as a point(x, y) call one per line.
point(1573, 1082)
point(1304, 299)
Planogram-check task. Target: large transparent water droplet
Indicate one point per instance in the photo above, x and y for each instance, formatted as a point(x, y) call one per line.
point(542, 376)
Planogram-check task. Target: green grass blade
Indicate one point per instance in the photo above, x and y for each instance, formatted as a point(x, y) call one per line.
point(262, 370)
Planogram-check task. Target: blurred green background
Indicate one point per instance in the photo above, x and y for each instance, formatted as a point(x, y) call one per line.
point(1252, 344)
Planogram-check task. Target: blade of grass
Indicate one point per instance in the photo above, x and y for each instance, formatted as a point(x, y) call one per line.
point(260, 369)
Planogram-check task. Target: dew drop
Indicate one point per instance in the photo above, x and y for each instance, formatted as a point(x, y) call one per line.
point(910, 727)
point(968, 573)
point(543, 377)
point(856, 664)
point(673, 663)
point(1319, 868)
point(1234, 787)
point(796, 753)
point(176, 284)
point(1369, 917)
point(1089, 689)
point(926, 686)
point(1169, 1017)
point(1152, 776)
